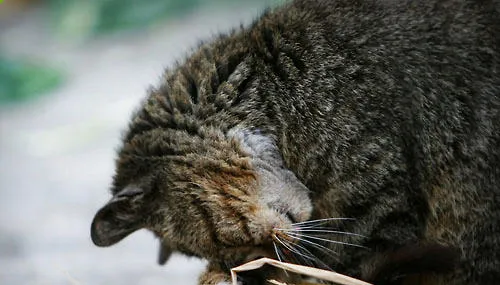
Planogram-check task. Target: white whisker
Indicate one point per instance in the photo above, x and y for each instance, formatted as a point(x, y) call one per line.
point(290, 248)
point(326, 240)
point(309, 260)
point(301, 230)
point(278, 253)
point(278, 239)
point(316, 259)
point(317, 245)
point(323, 220)
point(276, 250)
point(282, 242)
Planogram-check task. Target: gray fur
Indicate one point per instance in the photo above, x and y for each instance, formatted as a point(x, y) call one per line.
point(383, 111)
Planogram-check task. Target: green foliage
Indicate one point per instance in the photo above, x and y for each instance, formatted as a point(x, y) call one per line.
point(21, 80)
point(83, 18)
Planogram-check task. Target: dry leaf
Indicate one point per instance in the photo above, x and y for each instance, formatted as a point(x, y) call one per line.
point(274, 282)
point(300, 269)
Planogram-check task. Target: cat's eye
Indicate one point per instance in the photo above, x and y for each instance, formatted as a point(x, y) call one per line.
point(290, 217)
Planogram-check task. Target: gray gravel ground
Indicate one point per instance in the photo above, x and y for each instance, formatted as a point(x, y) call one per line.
point(56, 152)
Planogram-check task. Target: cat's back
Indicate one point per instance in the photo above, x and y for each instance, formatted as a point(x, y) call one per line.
point(392, 106)
point(420, 67)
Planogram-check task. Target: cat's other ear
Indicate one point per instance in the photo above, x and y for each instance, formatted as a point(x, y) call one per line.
point(120, 217)
point(164, 253)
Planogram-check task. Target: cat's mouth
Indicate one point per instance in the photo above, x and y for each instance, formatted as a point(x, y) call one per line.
point(257, 276)
point(233, 257)
point(259, 253)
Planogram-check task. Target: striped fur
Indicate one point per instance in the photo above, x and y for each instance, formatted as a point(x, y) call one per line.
point(383, 111)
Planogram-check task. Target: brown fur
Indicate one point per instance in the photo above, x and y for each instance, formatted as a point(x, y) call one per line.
point(383, 111)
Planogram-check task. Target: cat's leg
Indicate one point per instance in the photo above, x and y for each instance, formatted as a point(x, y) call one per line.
point(214, 275)
point(425, 263)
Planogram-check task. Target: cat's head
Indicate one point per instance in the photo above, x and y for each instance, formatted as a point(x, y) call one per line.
point(203, 192)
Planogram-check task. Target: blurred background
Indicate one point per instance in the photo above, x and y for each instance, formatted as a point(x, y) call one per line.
point(71, 72)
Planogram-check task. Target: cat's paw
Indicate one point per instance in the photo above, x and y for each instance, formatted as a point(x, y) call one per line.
point(214, 275)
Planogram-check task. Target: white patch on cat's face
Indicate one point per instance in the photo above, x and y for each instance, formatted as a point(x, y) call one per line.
point(279, 188)
point(253, 142)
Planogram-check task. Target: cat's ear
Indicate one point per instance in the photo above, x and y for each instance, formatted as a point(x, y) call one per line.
point(120, 217)
point(164, 253)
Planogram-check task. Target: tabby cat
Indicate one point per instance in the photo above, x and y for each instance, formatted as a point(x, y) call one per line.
point(360, 136)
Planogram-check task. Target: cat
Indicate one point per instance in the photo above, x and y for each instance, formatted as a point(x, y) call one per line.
point(360, 136)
